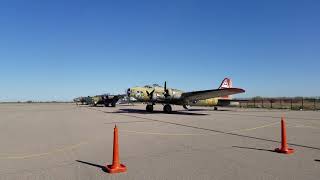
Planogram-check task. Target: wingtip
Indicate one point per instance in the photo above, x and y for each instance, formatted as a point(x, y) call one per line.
point(242, 90)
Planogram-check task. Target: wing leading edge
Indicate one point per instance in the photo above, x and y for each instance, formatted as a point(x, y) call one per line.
point(206, 94)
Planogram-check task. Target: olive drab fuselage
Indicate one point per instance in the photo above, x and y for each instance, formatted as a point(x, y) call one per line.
point(141, 95)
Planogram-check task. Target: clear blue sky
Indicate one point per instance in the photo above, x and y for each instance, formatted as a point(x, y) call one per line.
point(60, 49)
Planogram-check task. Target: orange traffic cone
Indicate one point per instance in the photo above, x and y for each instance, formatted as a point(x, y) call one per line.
point(284, 146)
point(116, 167)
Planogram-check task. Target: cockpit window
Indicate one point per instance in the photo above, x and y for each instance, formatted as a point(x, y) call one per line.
point(156, 85)
point(152, 86)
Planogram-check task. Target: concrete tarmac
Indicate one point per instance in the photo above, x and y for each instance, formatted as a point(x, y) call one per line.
point(65, 141)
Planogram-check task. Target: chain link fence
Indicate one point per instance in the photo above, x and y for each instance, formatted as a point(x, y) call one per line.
point(281, 103)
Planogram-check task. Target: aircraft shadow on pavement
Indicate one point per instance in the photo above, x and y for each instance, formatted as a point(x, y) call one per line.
point(140, 111)
point(126, 105)
point(103, 168)
point(101, 106)
point(209, 110)
point(258, 149)
point(88, 106)
point(206, 129)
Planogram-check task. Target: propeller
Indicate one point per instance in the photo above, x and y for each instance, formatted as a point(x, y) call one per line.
point(166, 91)
point(128, 94)
point(150, 94)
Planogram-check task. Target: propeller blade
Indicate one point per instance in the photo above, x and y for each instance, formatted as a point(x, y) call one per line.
point(150, 94)
point(166, 91)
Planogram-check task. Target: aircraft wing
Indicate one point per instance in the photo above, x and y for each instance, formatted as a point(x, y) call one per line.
point(206, 94)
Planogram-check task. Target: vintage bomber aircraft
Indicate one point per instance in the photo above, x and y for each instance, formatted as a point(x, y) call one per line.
point(167, 96)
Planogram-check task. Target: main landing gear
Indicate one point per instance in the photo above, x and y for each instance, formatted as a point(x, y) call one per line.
point(166, 108)
point(149, 108)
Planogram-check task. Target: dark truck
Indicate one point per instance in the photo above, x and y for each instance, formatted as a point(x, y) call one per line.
point(105, 100)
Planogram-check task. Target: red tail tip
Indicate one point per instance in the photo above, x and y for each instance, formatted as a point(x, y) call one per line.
point(226, 83)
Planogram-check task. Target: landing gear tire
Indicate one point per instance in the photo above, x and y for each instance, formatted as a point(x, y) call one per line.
point(149, 108)
point(215, 108)
point(167, 108)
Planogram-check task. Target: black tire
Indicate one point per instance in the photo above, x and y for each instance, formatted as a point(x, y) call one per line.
point(167, 108)
point(149, 108)
point(215, 108)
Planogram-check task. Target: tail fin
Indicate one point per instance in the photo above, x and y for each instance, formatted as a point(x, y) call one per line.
point(226, 83)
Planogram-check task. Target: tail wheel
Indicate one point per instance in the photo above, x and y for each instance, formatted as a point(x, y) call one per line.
point(186, 107)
